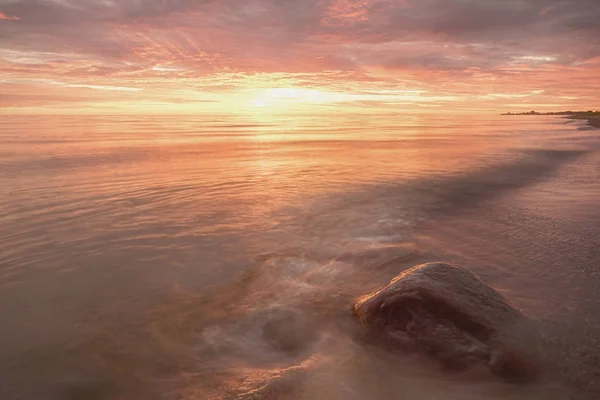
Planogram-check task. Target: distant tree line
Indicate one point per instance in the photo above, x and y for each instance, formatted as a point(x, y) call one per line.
point(581, 114)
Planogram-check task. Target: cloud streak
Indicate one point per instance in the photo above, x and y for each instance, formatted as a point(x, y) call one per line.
point(9, 18)
point(466, 50)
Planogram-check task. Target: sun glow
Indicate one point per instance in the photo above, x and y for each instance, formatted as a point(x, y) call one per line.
point(281, 97)
point(150, 56)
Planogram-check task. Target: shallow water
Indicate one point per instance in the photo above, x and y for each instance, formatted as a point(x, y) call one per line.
point(178, 257)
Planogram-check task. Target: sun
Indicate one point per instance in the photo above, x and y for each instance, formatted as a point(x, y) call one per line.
point(259, 102)
point(282, 97)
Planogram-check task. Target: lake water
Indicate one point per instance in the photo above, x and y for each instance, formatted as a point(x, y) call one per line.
point(142, 256)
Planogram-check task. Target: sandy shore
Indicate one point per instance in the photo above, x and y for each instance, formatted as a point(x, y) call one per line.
point(593, 118)
point(594, 122)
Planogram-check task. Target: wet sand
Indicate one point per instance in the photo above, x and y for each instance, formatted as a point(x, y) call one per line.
point(595, 122)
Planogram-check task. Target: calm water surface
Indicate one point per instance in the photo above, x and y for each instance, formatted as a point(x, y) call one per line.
point(142, 257)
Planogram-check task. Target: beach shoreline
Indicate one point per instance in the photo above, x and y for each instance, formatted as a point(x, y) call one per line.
point(592, 120)
point(592, 117)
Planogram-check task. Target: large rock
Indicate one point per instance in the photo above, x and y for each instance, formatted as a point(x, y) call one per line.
point(447, 312)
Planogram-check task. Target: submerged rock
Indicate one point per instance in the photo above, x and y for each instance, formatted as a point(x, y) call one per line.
point(447, 312)
point(289, 330)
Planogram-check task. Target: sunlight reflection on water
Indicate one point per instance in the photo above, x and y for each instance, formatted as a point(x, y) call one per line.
point(104, 220)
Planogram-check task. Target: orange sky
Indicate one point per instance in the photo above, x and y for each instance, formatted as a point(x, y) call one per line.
point(189, 56)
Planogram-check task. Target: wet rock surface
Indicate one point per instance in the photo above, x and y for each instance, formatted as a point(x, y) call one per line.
point(446, 312)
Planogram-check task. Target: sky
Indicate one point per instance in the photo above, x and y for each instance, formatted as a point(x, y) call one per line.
point(195, 56)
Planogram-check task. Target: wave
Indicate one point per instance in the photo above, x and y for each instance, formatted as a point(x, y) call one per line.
point(473, 187)
point(312, 287)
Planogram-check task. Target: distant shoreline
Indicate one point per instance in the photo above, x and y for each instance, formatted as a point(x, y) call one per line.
point(593, 121)
point(592, 117)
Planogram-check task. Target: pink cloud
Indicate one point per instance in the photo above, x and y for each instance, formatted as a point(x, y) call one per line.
point(547, 10)
point(446, 46)
point(4, 16)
